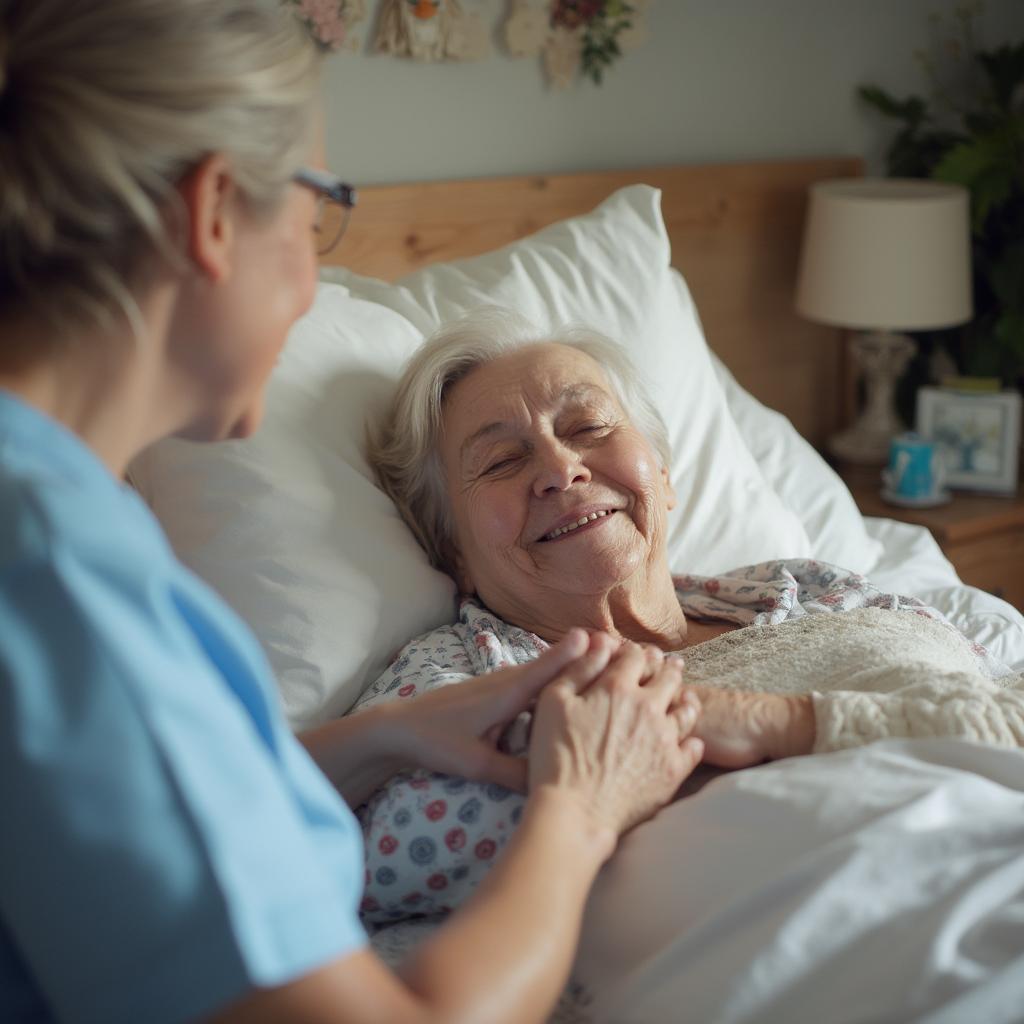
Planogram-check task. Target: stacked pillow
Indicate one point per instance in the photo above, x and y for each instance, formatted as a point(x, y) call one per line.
point(804, 481)
point(289, 526)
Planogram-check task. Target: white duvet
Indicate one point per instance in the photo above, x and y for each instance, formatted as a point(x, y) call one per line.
point(884, 883)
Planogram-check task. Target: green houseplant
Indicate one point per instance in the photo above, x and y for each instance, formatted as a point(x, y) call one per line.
point(971, 132)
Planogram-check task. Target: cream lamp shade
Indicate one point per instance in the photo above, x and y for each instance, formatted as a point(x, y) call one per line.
point(884, 256)
point(891, 254)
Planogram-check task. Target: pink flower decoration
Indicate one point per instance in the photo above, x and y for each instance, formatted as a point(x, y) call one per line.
point(326, 20)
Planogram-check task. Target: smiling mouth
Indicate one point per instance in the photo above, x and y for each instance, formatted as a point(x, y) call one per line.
point(573, 527)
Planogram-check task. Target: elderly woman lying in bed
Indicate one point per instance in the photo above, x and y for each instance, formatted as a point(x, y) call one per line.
point(533, 469)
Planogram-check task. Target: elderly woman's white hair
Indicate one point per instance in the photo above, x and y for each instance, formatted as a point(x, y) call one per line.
point(404, 447)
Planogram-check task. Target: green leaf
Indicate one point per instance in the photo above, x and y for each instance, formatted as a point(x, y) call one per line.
point(913, 109)
point(1009, 333)
point(968, 161)
point(1006, 277)
point(986, 166)
point(1004, 68)
point(984, 122)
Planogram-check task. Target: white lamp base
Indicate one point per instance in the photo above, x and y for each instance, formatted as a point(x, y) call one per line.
point(882, 356)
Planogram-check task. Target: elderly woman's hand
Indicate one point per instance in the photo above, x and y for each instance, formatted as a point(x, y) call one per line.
point(620, 745)
point(741, 729)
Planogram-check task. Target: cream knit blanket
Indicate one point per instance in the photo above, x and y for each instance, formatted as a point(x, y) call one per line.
point(873, 674)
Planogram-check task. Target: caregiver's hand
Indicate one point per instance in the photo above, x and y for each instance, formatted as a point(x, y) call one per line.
point(619, 742)
point(743, 729)
point(455, 729)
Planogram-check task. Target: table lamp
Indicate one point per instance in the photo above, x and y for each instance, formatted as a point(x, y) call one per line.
point(883, 256)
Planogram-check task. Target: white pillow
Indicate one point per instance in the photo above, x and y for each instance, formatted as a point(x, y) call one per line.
point(288, 525)
point(802, 479)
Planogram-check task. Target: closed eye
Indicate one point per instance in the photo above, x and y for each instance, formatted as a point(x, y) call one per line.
point(590, 429)
point(505, 463)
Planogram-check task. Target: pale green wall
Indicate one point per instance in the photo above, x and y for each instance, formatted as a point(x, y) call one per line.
point(717, 80)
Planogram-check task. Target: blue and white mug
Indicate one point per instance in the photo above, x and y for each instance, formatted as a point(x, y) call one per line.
point(916, 469)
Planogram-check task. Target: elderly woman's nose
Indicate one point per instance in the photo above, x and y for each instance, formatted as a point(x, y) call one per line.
point(559, 467)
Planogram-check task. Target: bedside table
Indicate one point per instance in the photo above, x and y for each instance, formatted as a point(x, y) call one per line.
point(982, 535)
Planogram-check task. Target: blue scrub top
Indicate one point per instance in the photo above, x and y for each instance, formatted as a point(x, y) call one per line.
point(166, 843)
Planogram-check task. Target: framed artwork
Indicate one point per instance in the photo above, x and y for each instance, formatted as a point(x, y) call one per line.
point(979, 433)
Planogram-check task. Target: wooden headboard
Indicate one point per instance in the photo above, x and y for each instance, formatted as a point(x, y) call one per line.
point(735, 232)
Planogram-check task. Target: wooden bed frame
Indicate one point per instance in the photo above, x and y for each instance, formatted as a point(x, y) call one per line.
point(735, 232)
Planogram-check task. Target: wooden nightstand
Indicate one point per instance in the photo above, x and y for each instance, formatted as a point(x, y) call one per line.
point(982, 535)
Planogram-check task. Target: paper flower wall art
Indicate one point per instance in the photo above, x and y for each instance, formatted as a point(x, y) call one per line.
point(330, 22)
point(574, 37)
point(430, 30)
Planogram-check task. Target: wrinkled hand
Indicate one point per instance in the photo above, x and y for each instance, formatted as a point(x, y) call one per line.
point(454, 729)
point(741, 729)
point(613, 732)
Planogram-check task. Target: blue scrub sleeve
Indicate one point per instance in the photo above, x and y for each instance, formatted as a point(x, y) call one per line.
point(167, 844)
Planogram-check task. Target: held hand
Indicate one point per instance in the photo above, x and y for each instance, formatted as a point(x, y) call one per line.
point(618, 743)
point(742, 729)
point(454, 729)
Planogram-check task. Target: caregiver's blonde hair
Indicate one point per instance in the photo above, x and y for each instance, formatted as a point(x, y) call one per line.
point(104, 106)
point(404, 447)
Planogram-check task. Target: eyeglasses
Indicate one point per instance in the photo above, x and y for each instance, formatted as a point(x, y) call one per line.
point(334, 202)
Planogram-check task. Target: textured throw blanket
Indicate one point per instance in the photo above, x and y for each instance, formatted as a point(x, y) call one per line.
point(878, 665)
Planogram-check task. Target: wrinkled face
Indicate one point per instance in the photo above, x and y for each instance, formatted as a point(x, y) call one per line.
point(553, 491)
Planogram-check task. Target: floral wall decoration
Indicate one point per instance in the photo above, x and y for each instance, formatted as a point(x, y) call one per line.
point(574, 37)
point(330, 22)
point(431, 30)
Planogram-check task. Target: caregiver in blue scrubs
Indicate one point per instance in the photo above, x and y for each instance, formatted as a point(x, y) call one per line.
point(169, 851)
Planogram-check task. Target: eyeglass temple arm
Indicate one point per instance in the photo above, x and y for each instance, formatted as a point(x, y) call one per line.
point(345, 194)
point(327, 184)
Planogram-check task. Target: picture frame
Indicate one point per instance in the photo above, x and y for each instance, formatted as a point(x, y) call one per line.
point(979, 433)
